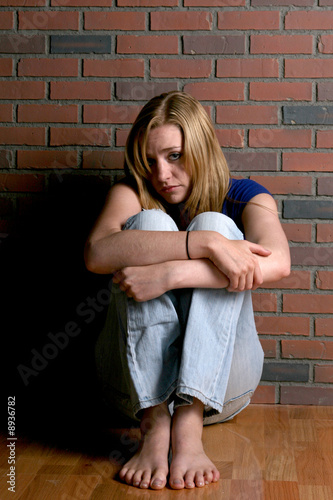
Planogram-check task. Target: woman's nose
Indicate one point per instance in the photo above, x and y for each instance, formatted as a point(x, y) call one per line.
point(162, 170)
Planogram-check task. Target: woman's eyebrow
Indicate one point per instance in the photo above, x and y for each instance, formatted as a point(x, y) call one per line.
point(167, 149)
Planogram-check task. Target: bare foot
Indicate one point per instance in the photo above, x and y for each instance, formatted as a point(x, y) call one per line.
point(149, 466)
point(190, 466)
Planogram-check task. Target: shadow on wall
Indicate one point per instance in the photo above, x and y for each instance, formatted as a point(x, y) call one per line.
point(52, 307)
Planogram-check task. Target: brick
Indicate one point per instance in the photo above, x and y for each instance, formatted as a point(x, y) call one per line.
point(285, 372)
point(247, 114)
point(96, 113)
point(280, 91)
point(48, 20)
point(307, 162)
point(265, 302)
point(324, 233)
point(325, 186)
point(307, 349)
point(103, 160)
point(22, 44)
point(309, 20)
point(323, 374)
point(323, 3)
point(43, 113)
point(325, 44)
point(122, 20)
point(242, 20)
point(324, 327)
point(293, 3)
point(275, 325)
point(22, 90)
point(48, 67)
point(214, 44)
point(299, 395)
point(285, 184)
point(264, 394)
point(240, 162)
point(6, 112)
point(142, 91)
point(269, 347)
point(80, 136)
point(7, 21)
point(47, 159)
point(21, 183)
point(139, 44)
point(324, 280)
point(22, 3)
point(312, 115)
point(324, 139)
point(311, 256)
point(80, 90)
point(296, 280)
point(214, 3)
point(247, 68)
point(216, 91)
point(147, 3)
point(80, 44)
point(180, 68)
point(307, 209)
point(6, 67)
point(279, 138)
point(32, 136)
point(298, 232)
point(308, 68)
point(113, 68)
point(281, 44)
point(230, 138)
point(6, 158)
point(81, 3)
point(325, 91)
point(180, 20)
point(312, 303)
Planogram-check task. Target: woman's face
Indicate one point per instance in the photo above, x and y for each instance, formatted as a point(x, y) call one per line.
point(165, 157)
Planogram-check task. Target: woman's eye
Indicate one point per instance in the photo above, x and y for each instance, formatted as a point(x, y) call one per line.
point(174, 156)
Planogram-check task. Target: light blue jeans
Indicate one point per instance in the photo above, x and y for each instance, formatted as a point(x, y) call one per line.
point(187, 343)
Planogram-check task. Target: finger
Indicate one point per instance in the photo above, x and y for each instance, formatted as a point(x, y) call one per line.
point(260, 250)
point(257, 278)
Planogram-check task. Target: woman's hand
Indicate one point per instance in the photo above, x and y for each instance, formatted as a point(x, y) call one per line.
point(237, 259)
point(143, 283)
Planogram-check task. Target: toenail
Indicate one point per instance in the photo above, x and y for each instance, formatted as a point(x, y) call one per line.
point(157, 482)
point(177, 481)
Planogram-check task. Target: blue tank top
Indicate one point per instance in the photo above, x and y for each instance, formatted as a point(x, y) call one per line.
point(240, 192)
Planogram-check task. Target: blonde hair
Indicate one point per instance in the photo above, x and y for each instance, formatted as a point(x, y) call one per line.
point(203, 157)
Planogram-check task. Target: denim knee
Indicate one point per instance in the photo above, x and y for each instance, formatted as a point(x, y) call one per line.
point(215, 221)
point(151, 220)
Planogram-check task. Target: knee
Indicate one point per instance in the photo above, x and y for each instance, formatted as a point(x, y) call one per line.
point(151, 220)
point(215, 221)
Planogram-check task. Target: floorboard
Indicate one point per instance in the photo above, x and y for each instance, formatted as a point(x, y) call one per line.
point(266, 453)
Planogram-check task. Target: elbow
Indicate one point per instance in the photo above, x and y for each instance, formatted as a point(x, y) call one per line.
point(91, 260)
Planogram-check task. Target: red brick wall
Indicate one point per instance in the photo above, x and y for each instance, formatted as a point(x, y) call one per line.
point(73, 75)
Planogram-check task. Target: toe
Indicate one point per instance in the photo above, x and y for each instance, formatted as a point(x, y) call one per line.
point(189, 479)
point(158, 480)
point(144, 484)
point(199, 480)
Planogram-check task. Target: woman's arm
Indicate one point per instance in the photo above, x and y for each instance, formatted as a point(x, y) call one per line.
point(109, 249)
point(262, 226)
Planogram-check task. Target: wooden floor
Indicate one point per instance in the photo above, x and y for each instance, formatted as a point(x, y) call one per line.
point(266, 452)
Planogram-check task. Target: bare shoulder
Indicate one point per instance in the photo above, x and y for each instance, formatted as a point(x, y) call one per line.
point(121, 203)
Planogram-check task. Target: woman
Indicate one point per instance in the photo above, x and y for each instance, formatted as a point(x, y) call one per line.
point(180, 348)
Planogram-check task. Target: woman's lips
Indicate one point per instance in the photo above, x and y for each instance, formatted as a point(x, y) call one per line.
point(168, 189)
